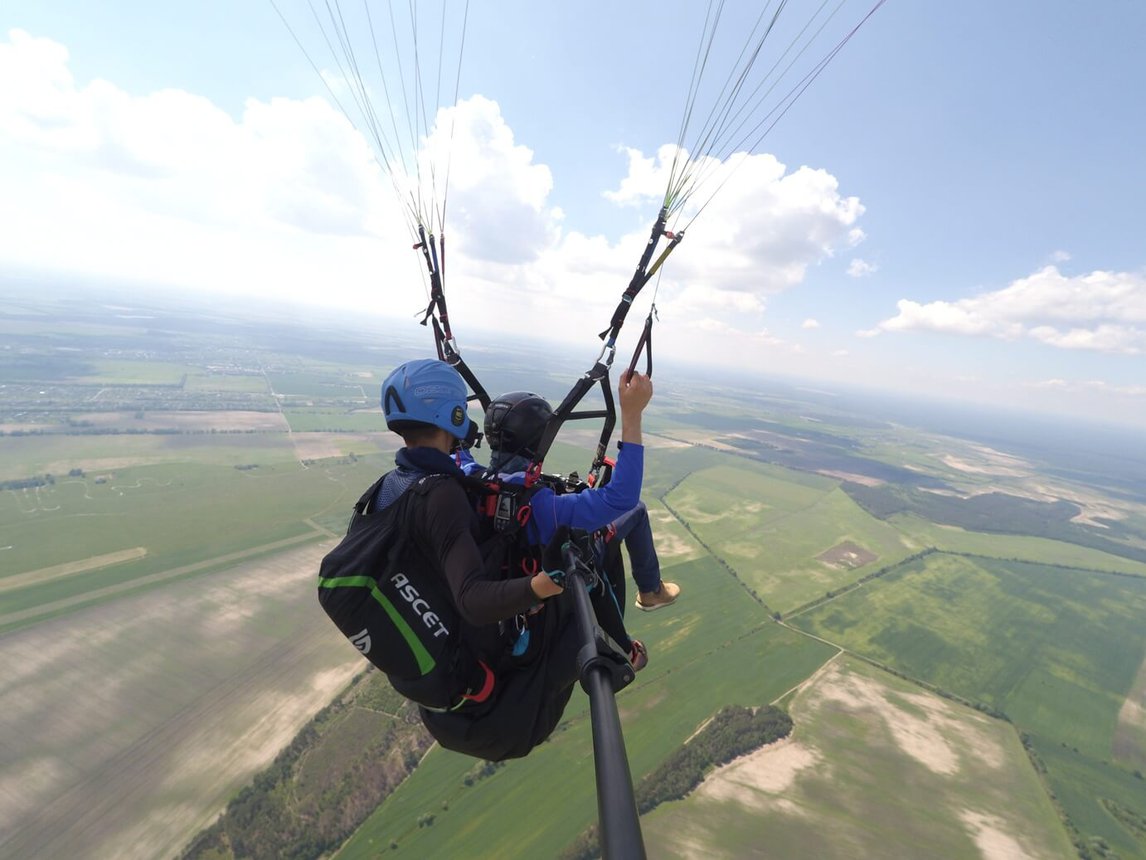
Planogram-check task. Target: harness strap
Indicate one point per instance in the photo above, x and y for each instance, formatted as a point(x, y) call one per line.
point(645, 343)
point(482, 694)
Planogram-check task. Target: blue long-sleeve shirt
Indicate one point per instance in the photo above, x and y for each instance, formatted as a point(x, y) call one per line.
point(590, 510)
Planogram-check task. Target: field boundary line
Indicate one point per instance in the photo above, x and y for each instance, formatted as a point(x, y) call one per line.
point(727, 567)
point(811, 678)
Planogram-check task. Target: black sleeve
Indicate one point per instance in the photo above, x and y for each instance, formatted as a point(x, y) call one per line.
point(444, 534)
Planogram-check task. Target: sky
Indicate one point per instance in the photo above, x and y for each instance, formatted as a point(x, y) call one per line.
point(952, 208)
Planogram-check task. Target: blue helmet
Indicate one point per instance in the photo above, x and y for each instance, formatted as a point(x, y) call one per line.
point(427, 391)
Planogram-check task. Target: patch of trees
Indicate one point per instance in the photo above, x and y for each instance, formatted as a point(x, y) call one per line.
point(348, 460)
point(28, 483)
point(731, 733)
point(1085, 851)
point(1133, 821)
point(321, 788)
point(994, 513)
point(481, 771)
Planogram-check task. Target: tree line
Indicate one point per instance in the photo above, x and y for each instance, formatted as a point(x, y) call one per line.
point(732, 732)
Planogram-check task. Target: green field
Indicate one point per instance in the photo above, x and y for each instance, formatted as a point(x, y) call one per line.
point(182, 513)
point(25, 456)
point(1034, 549)
point(874, 768)
point(1027, 640)
point(770, 524)
point(330, 386)
point(1056, 650)
point(313, 420)
point(1091, 791)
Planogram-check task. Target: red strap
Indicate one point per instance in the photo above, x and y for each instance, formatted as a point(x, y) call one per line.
point(486, 688)
point(591, 480)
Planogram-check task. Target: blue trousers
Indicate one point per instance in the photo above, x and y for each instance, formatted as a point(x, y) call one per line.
point(635, 530)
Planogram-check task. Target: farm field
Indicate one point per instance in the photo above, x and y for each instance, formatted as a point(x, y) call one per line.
point(770, 524)
point(1105, 802)
point(1023, 547)
point(137, 719)
point(1056, 650)
point(875, 767)
point(156, 599)
point(180, 513)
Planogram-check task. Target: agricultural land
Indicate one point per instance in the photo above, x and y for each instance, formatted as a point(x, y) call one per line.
point(951, 619)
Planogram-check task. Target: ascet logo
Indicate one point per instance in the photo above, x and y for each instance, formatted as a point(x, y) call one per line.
point(419, 605)
point(361, 640)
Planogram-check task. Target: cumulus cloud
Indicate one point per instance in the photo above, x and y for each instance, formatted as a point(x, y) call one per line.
point(498, 198)
point(763, 225)
point(174, 153)
point(1100, 311)
point(810, 323)
point(757, 237)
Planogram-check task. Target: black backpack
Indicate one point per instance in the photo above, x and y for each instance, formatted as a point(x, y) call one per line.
point(378, 589)
point(375, 588)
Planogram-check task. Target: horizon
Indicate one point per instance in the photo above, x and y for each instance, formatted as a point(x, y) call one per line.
point(933, 411)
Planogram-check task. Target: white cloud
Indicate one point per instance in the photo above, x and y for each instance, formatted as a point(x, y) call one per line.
point(810, 323)
point(760, 232)
point(166, 188)
point(1101, 311)
point(1060, 256)
point(698, 298)
point(859, 268)
point(646, 179)
point(497, 196)
point(286, 199)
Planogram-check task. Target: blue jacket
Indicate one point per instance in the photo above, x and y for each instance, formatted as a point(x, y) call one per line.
point(590, 510)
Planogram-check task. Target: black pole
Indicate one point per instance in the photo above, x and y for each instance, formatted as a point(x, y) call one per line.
point(604, 670)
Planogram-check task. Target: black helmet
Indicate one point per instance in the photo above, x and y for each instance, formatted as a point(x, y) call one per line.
point(515, 422)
